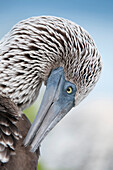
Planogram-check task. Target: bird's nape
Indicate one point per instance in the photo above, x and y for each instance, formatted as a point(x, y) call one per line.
point(58, 100)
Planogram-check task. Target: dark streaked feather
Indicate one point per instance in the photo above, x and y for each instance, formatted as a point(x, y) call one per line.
point(22, 158)
point(9, 133)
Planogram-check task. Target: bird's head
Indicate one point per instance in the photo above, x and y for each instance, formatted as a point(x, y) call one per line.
point(59, 98)
point(68, 81)
point(56, 51)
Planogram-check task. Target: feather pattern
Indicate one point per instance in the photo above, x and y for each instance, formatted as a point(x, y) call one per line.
point(35, 46)
point(9, 133)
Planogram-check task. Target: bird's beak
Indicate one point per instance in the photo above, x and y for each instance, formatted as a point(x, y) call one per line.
point(53, 108)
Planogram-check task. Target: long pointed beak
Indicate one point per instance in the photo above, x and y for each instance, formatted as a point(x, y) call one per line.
point(53, 108)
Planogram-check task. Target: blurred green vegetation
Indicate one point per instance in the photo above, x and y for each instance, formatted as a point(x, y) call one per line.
point(40, 167)
point(31, 113)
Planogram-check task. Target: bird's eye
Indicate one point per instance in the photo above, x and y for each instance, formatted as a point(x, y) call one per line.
point(69, 90)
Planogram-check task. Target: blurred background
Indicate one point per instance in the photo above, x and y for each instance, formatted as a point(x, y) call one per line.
point(84, 138)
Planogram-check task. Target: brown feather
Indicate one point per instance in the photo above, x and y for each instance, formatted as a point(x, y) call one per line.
point(13, 154)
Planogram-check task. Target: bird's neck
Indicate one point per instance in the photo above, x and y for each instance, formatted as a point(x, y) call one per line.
point(22, 70)
point(26, 60)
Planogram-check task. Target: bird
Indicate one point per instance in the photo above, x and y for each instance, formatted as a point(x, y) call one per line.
point(50, 50)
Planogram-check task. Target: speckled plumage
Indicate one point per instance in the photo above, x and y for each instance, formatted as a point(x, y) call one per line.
point(13, 129)
point(35, 46)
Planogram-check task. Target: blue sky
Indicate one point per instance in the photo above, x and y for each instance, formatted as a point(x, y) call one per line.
point(95, 16)
point(15, 10)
